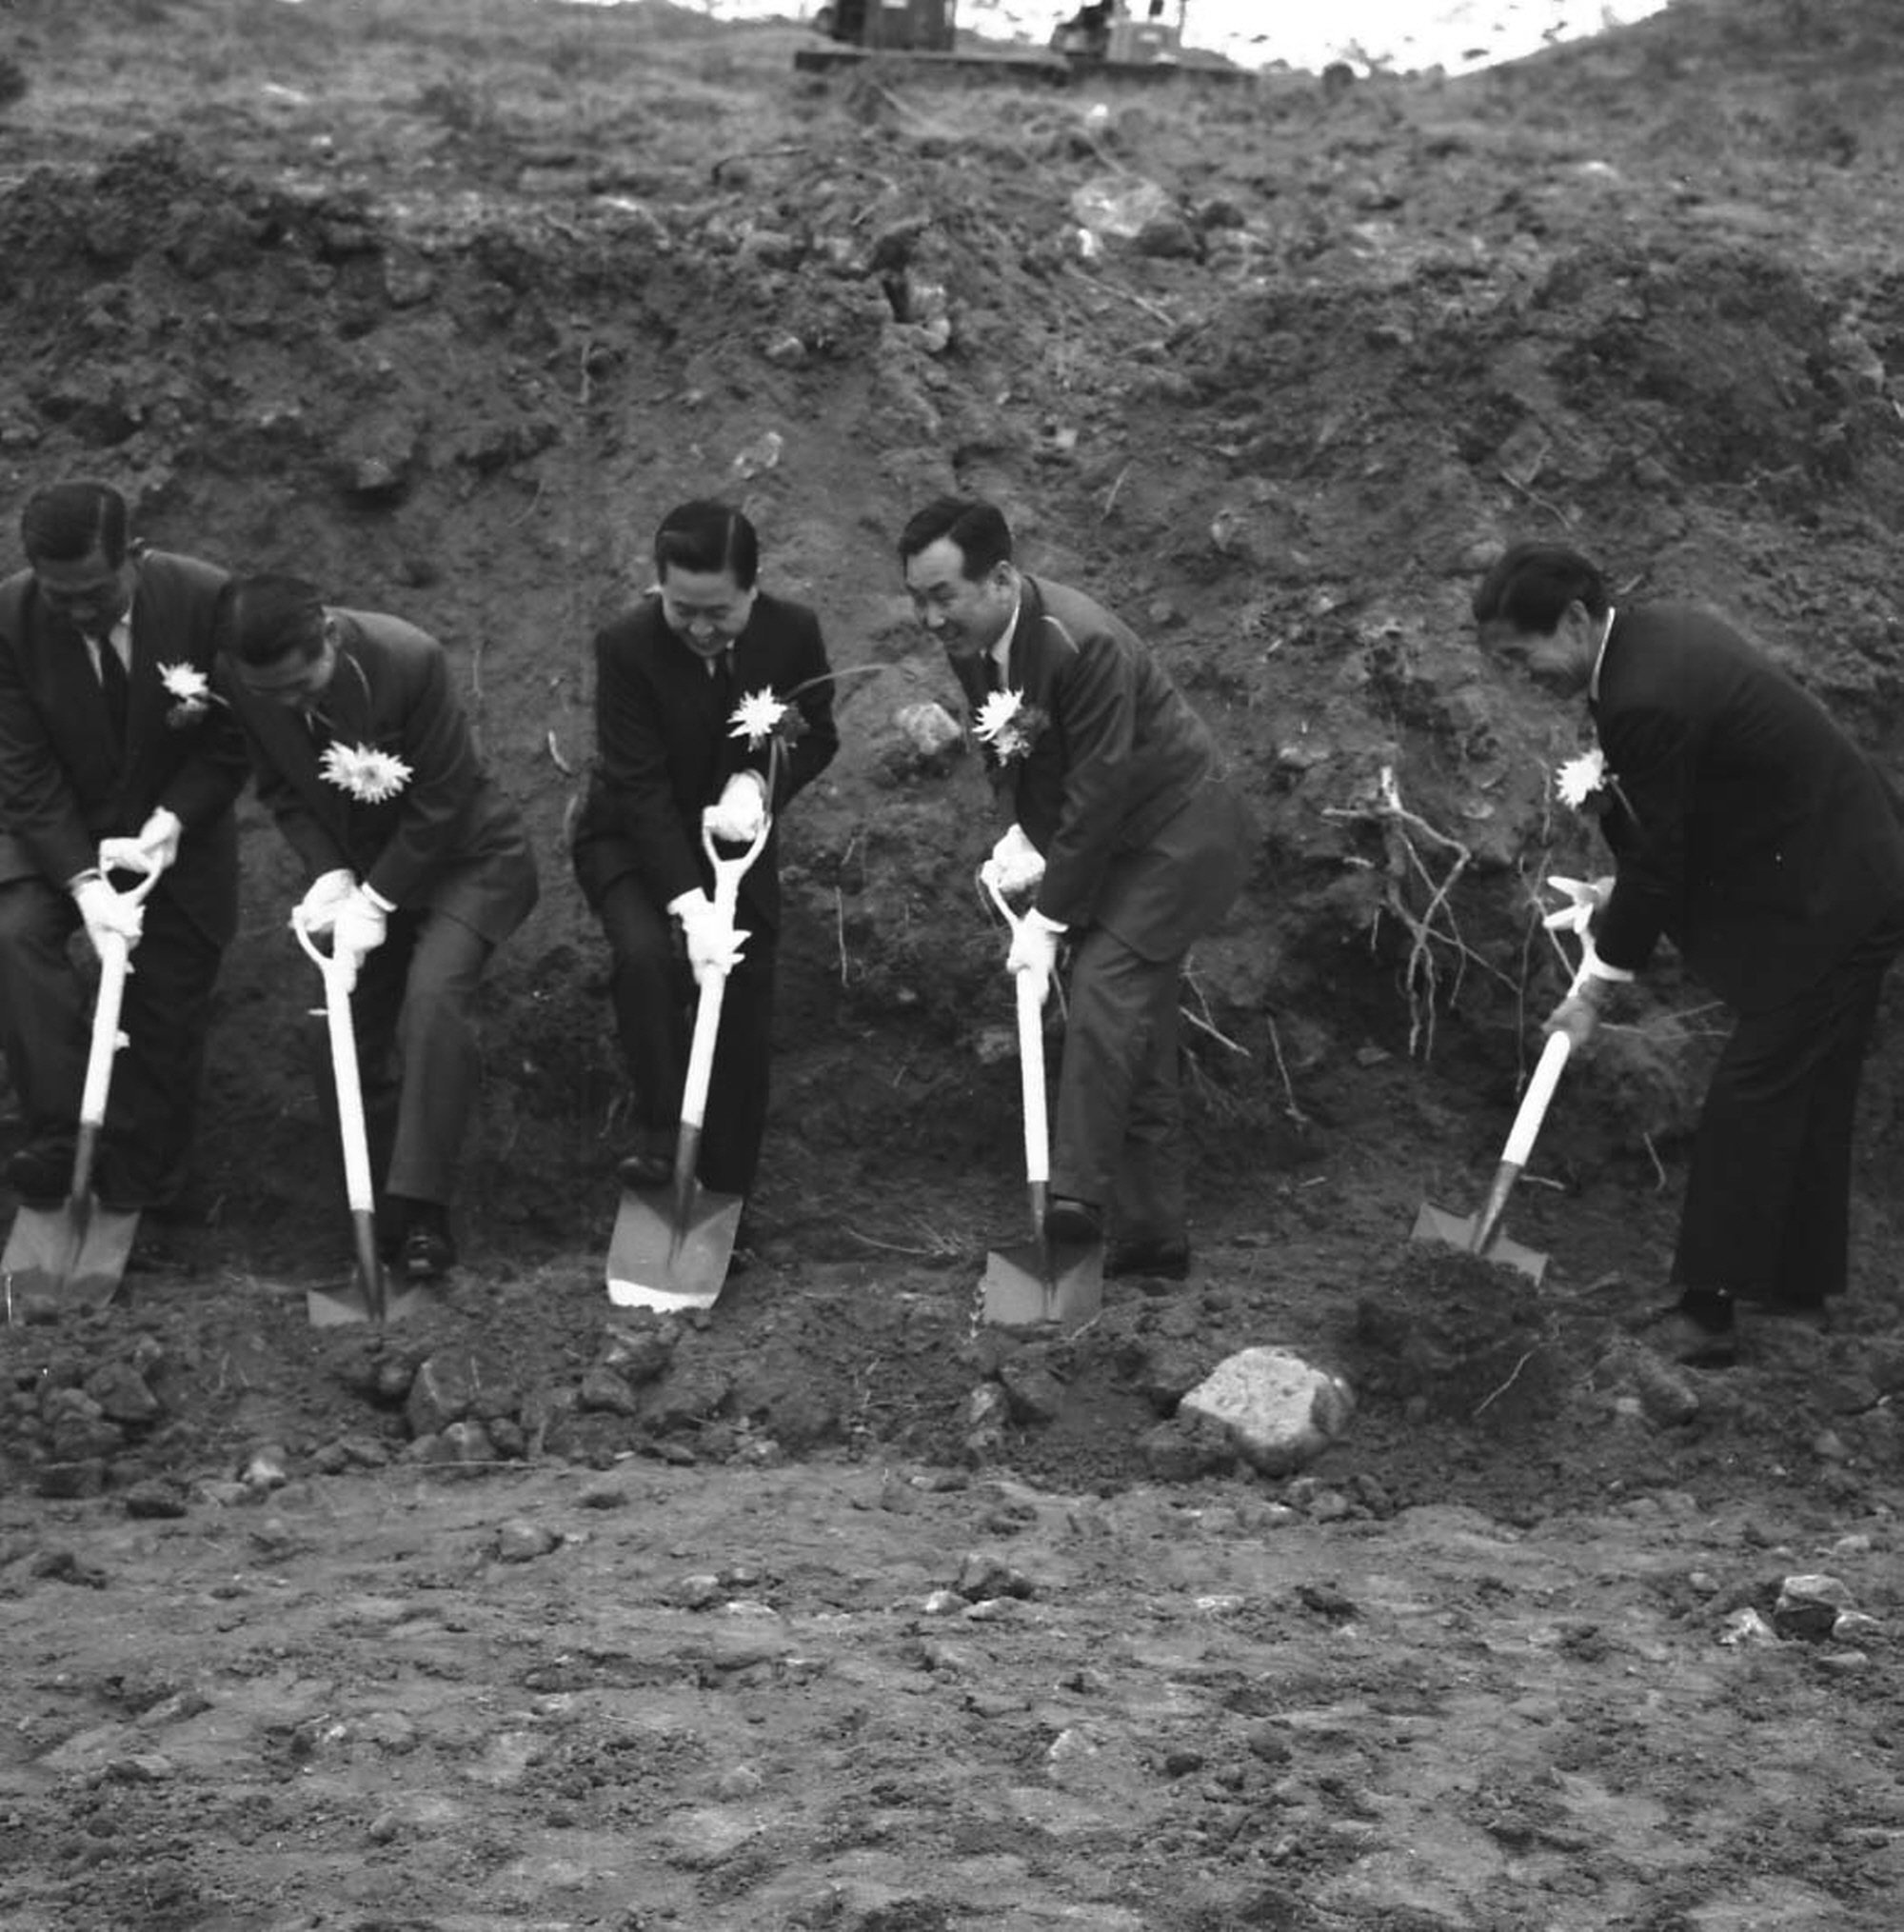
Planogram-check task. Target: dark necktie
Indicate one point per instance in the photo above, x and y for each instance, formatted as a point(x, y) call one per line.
point(112, 683)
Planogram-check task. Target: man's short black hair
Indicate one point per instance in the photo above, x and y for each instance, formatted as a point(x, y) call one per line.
point(708, 536)
point(264, 620)
point(1531, 586)
point(65, 522)
point(978, 528)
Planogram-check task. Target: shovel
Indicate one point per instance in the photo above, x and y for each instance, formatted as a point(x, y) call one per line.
point(367, 1297)
point(1038, 1280)
point(1481, 1233)
point(672, 1245)
point(74, 1256)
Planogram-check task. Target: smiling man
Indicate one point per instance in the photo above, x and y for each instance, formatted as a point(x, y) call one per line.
point(1129, 839)
point(104, 764)
point(669, 676)
point(1750, 830)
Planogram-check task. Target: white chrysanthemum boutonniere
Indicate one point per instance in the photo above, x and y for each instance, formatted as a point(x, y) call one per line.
point(1008, 724)
point(368, 774)
point(760, 716)
point(191, 692)
point(1581, 782)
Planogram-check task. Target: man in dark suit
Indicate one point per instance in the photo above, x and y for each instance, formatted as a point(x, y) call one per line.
point(110, 754)
point(669, 677)
point(420, 865)
point(1750, 830)
point(1115, 783)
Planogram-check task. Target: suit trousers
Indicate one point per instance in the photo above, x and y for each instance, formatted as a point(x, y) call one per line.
point(654, 996)
point(46, 1027)
point(1767, 1214)
point(418, 1056)
point(1118, 1127)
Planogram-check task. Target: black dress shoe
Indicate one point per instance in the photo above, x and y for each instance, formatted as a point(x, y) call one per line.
point(641, 1172)
point(1168, 1260)
point(427, 1250)
point(1697, 1331)
point(1072, 1224)
point(41, 1173)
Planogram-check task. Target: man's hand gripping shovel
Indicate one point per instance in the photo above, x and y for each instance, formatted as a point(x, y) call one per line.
point(74, 1256)
point(369, 1297)
point(671, 1246)
point(1481, 1233)
point(1037, 1282)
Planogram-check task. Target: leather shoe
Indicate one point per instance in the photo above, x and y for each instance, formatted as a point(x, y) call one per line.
point(638, 1172)
point(1072, 1224)
point(1168, 1260)
point(428, 1253)
point(1683, 1338)
point(427, 1250)
point(40, 1173)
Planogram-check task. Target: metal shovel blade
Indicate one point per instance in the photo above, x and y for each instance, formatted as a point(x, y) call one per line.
point(336, 1307)
point(665, 1254)
point(369, 1296)
point(1031, 1283)
point(68, 1257)
point(1459, 1230)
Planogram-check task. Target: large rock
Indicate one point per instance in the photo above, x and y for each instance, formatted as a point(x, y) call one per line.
point(1276, 1409)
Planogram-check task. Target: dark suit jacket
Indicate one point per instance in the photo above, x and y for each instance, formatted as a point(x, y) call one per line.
point(664, 749)
point(1747, 827)
point(1122, 790)
point(450, 840)
point(64, 785)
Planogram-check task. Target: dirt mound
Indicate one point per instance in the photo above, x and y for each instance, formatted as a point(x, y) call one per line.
point(1273, 368)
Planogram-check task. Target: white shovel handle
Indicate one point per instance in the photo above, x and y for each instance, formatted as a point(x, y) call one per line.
point(727, 875)
point(1030, 1054)
point(115, 962)
point(358, 1186)
point(1546, 1074)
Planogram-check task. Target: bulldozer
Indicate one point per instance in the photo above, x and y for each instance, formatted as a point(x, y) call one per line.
point(1106, 38)
point(1108, 35)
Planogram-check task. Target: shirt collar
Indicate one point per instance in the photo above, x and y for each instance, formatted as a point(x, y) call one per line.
point(1001, 651)
point(1599, 658)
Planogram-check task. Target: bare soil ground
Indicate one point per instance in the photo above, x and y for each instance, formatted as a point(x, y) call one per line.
point(837, 1607)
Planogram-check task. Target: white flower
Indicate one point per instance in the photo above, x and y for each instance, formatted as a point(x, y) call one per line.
point(756, 717)
point(364, 771)
point(185, 683)
point(994, 715)
point(1579, 778)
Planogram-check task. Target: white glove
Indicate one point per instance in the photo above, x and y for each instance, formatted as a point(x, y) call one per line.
point(737, 818)
point(153, 850)
point(1585, 897)
point(1016, 865)
point(106, 911)
point(317, 910)
point(713, 944)
point(357, 929)
point(1034, 950)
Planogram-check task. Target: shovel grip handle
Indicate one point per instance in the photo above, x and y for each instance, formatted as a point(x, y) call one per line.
point(1031, 1080)
point(1030, 1053)
point(727, 874)
point(1546, 1077)
point(115, 962)
point(359, 1189)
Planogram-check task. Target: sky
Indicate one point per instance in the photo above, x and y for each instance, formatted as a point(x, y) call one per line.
point(1455, 34)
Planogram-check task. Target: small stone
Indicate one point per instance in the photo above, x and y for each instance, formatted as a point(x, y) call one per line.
point(265, 1468)
point(520, 1542)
